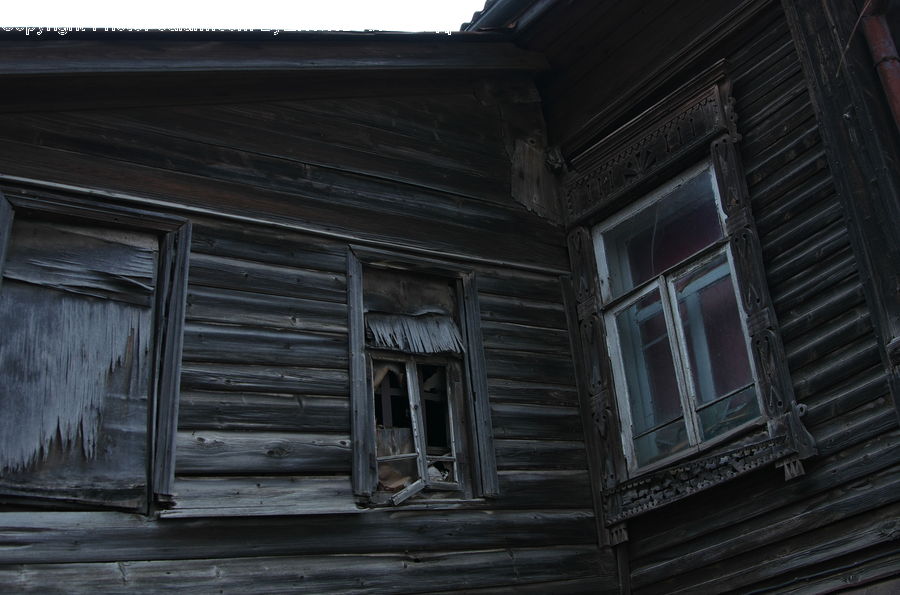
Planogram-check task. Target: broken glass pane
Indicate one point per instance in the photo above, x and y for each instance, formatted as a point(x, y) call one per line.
point(433, 392)
point(393, 419)
point(394, 475)
point(729, 413)
point(441, 471)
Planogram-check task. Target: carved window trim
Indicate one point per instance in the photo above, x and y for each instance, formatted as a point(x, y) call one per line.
point(618, 170)
point(174, 235)
point(475, 406)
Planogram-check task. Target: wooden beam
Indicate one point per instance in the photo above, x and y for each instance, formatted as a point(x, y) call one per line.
point(354, 55)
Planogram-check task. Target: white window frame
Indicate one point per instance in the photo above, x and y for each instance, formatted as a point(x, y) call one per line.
point(611, 305)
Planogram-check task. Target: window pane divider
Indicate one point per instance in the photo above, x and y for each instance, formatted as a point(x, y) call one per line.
point(679, 354)
point(725, 396)
point(689, 262)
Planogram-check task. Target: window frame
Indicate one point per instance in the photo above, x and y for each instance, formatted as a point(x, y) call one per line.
point(611, 305)
point(174, 234)
point(483, 480)
point(695, 122)
point(456, 422)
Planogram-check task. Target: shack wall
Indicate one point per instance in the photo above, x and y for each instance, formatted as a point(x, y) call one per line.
point(277, 191)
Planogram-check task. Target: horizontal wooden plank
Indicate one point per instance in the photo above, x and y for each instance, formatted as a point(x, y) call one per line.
point(225, 452)
point(84, 260)
point(382, 573)
point(245, 275)
point(249, 411)
point(839, 365)
point(532, 392)
point(536, 422)
point(830, 335)
point(825, 509)
point(268, 146)
point(249, 345)
point(60, 537)
point(842, 538)
point(545, 489)
point(519, 337)
point(862, 423)
point(213, 304)
point(520, 285)
point(846, 396)
point(539, 454)
point(311, 213)
point(266, 244)
point(265, 379)
point(521, 311)
point(261, 496)
point(386, 53)
point(530, 367)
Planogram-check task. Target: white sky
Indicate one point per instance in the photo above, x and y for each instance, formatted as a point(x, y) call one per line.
point(342, 15)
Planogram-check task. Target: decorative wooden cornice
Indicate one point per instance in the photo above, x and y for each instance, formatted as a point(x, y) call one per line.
point(659, 137)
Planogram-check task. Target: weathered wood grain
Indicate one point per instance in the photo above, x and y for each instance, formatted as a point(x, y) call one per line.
point(838, 539)
point(217, 56)
point(522, 311)
point(257, 411)
point(846, 467)
point(66, 537)
point(530, 367)
point(231, 306)
point(261, 495)
point(264, 244)
point(503, 390)
point(244, 275)
point(256, 453)
point(536, 422)
point(383, 573)
point(860, 497)
point(84, 260)
point(505, 335)
point(265, 379)
point(539, 455)
point(197, 194)
point(544, 489)
point(249, 345)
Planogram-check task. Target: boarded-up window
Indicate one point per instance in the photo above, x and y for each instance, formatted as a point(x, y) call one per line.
point(80, 352)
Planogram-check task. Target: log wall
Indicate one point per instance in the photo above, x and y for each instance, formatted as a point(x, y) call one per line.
point(276, 192)
point(836, 525)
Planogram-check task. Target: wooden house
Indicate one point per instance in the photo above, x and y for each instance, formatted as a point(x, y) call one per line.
point(592, 296)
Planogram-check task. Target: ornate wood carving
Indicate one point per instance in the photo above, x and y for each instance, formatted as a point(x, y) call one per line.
point(624, 162)
point(647, 145)
point(633, 497)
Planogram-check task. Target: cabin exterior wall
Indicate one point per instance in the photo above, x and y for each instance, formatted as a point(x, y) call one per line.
point(277, 192)
point(835, 526)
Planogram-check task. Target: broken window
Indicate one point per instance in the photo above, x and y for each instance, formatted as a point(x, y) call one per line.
point(90, 307)
point(415, 431)
point(681, 359)
point(421, 419)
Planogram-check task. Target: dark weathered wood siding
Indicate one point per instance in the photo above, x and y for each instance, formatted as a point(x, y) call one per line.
point(836, 525)
point(276, 192)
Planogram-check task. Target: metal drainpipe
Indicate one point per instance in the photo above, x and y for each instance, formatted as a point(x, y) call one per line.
point(884, 52)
